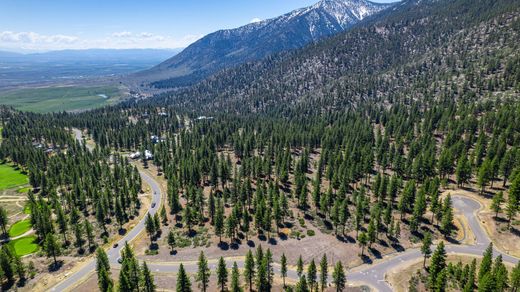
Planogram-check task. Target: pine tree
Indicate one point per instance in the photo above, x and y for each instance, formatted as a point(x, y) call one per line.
point(515, 278)
point(89, 230)
point(164, 217)
point(441, 281)
point(323, 272)
point(171, 240)
point(486, 263)
point(183, 282)
point(222, 274)
point(105, 282)
point(4, 220)
point(496, 205)
point(129, 276)
point(302, 286)
point(203, 273)
point(219, 221)
point(235, 279)
point(249, 269)
point(499, 273)
point(437, 263)
point(486, 283)
point(426, 247)
point(283, 268)
point(363, 241)
point(338, 277)
point(447, 217)
point(312, 274)
point(299, 266)
point(52, 247)
point(147, 281)
point(150, 227)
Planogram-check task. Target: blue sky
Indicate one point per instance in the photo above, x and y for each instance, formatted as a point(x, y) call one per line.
point(59, 24)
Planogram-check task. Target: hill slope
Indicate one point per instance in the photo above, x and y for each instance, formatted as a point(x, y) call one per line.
point(225, 48)
point(413, 51)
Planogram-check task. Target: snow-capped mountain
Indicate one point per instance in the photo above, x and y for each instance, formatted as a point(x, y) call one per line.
point(254, 41)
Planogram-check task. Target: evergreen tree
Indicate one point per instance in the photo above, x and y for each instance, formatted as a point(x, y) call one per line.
point(4, 220)
point(222, 274)
point(219, 221)
point(203, 273)
point(338, 277)
point(147, 281)
point(171, 240)
point(312, 274)
point(496, 205)
point(437, 264)
point(183, 281)
point(52, 247)
point(486, 263)
point(283, 268)
point(299, 266)
point(426, 247)
point(105, 282)
point(323, 272)
point(515, 278)
point(249, 269)
point(235, 279)
point(362, 241)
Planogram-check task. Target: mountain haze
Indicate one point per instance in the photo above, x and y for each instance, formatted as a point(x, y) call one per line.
point(225, 48)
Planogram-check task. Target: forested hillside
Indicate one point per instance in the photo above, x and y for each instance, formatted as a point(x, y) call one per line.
point(358, 140)
point(418, 50)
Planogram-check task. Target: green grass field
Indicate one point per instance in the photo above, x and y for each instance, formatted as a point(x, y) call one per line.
point(20, 228)
point(54, 99)
point(10, 177)
point(23, 190)
point(25, 245)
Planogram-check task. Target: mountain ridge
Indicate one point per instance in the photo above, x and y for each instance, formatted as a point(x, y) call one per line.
point(226, 48)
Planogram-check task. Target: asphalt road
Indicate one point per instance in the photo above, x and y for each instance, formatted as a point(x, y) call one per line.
point(372, 275)
point(114, 252)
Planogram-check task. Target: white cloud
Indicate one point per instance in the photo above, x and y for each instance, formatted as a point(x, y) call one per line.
point(115, 40)
point(34, 38)
point(256, 19)
point(122, 34)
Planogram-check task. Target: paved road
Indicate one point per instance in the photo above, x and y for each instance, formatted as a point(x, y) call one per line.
point(113, 253)
point(373, 275)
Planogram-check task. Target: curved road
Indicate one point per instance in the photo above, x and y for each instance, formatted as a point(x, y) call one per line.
point(373, 275)
point(113, 253)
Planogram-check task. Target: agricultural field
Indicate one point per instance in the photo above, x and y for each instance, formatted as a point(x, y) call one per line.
point(60, 98)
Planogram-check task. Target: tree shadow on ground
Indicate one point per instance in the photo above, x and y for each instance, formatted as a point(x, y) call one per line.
point(223, 245)
point(375, 252)
point(250, 243)
point(53, 267)
point(397, 246)
point(366, 259)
